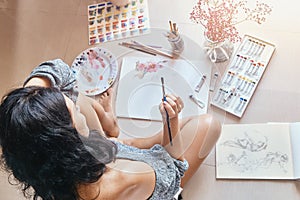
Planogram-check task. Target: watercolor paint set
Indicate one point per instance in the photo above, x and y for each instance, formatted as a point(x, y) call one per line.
point(108, 22)
point(242, 76)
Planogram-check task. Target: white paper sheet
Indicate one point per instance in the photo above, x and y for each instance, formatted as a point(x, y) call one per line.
point(139, 93)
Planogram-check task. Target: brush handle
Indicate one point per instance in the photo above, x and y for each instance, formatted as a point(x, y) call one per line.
point(168, 124)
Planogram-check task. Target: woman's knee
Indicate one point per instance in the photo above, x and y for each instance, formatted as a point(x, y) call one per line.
point(212, 127)
point(212, 124)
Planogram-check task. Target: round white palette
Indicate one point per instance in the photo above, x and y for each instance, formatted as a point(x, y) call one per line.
point(96, 70)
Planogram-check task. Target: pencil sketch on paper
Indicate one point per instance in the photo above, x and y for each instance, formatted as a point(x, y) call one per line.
point(248, 143)
point(246, 154)
point(244, 163)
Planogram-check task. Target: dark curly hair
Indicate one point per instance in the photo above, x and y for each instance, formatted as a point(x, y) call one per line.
point(42, 149)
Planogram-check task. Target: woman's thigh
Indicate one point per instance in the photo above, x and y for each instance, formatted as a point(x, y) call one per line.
point(199, 136)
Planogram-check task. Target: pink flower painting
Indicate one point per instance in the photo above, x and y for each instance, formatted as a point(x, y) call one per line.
point(147, 67)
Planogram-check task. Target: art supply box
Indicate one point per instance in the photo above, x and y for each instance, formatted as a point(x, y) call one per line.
point(242, 76)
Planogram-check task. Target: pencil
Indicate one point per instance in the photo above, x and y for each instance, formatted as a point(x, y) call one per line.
point(153, 50)
point(142, 50)
point(167, 115)
point(138, 48)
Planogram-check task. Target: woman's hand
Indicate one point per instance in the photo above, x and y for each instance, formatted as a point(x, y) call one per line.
point(173, 105)
point(172, 141)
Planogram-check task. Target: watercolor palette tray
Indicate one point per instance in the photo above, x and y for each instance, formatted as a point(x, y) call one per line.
point(96, 70)
point(108, 22)
point(242, 76)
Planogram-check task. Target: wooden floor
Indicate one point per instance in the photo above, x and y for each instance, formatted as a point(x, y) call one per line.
point(32, 31)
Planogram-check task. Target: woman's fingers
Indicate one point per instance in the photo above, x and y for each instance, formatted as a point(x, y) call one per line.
point(176, 102)
point(173, 105)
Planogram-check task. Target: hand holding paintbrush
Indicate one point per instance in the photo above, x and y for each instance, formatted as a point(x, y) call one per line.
point(170, 108)
point(167, 115)
point(172, 139)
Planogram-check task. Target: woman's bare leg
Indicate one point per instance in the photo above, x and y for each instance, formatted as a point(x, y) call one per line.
point(86, 108)
point(199, 135)
point(107, 117)
point(99, 113)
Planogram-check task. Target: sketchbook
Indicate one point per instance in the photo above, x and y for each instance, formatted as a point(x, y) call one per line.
point(139, 90)
point(259, 151)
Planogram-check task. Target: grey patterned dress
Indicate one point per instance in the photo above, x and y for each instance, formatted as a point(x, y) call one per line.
point(168, 171)
point(60, 75)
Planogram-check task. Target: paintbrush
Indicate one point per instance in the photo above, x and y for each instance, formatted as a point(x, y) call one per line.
point(171, 26)
point(167, 115)
point(137, 48)
point(153, 50)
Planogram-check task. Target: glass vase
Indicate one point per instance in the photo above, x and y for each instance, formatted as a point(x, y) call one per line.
point(218, 51)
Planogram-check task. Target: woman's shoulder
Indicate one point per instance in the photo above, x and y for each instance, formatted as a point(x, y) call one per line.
point(123, 179)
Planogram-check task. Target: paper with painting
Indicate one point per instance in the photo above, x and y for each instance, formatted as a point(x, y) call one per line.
point(259, 151)
point(140, 93)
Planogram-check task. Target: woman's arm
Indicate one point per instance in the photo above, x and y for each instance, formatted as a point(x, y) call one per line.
point(38, 81)
point(173, 106)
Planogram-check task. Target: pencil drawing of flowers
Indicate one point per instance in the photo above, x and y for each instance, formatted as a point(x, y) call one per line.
point(220, 17)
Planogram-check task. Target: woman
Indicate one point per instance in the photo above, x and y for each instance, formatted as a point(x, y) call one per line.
point(47, 144)
point(56, 73)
